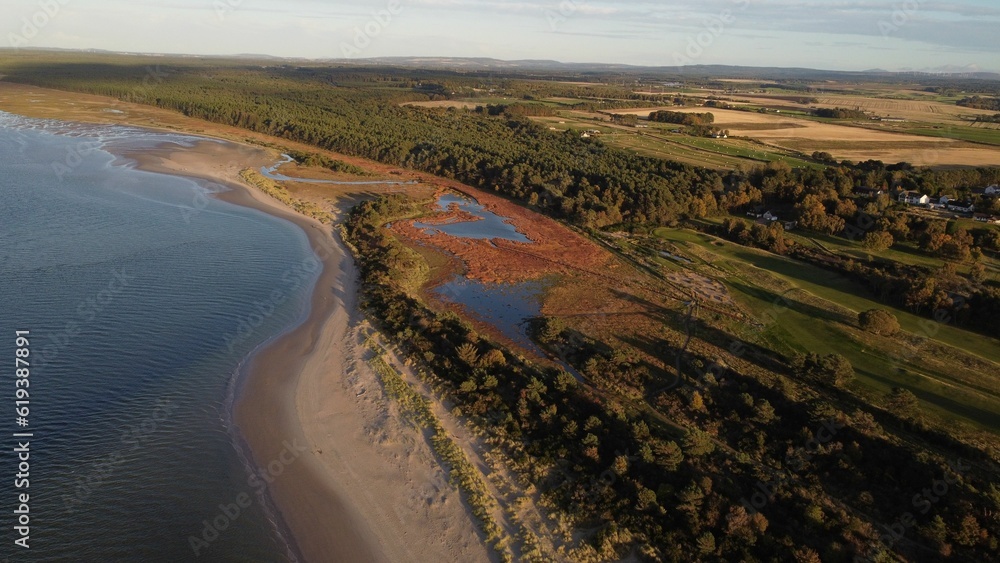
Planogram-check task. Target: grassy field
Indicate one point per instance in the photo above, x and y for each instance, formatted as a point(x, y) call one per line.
point(820, 317)
point(658, 141)
point(649, 146)
point(963, 132)
point(746, 149)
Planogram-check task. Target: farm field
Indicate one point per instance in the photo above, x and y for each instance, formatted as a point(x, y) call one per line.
point(659, 142)
point(934, 132)
point(842, 141)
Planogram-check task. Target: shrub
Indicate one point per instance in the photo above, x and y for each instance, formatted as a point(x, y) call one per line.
point(878, 321)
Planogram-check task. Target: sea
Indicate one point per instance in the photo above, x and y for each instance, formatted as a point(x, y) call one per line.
point(139, 298)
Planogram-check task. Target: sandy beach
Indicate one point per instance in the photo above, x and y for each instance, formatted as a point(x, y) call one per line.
point(368, 488)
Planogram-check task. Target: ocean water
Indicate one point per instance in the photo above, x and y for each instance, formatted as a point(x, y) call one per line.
point(143, 297)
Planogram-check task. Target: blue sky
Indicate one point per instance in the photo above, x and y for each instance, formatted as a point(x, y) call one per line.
point(836, 34)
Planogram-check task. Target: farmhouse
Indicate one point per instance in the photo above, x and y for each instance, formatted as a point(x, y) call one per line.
point(769, 218)
point(759, 213)
point(914, 198)
point(961, 206)
point(936, 203)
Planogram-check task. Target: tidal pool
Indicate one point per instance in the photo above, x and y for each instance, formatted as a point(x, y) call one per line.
point(488, 226)
point(506, 306)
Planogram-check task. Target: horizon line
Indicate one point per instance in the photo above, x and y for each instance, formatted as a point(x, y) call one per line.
point(931, 73)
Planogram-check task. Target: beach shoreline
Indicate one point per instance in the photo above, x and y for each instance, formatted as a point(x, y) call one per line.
point(264, 410)
point(362, 486)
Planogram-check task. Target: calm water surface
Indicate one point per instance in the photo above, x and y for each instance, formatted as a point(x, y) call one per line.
point(143, 297)
point(488, 226)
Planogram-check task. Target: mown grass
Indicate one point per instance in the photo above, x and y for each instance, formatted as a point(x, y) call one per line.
point(816, 314)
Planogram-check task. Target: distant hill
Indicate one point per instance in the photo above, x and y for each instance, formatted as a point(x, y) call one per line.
point(541, 68)
point(706, 71)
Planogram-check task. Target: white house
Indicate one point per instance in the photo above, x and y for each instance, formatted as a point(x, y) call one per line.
point(758, 213)
point(992, 190)
point(914, 198)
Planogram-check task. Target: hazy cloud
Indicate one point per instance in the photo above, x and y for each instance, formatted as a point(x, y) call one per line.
point(847, 34)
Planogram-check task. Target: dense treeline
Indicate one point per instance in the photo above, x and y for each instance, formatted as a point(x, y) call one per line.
point(751, 487)
point(979, 102)
point(682, 118)
point(517, 110)
point(332, 164)
point(840, 113)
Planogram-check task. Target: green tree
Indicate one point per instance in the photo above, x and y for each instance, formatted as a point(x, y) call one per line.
point(493, 358)
point(468, 353)
point(698, 443)
point(706, 543)
point(697, 402)
point(668, 454)
point(646, 498)
point(902, 402)
point(877, 241)
point(878, 321)
point(551, 329)
point(969, 531)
